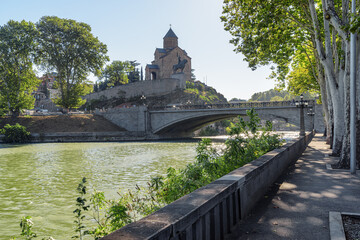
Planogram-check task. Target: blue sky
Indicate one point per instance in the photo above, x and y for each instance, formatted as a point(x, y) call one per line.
point(132, 29)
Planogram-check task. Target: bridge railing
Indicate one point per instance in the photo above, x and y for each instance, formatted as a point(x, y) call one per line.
point(230, 105)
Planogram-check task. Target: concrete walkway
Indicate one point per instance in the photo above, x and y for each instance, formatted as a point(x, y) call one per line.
point(298, 204)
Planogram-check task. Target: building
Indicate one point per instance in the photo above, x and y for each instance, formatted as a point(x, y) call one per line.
point(169, 60)
point(46, 92)
point(47, 81)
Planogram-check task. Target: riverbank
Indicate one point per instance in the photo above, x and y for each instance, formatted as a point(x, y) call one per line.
point(64, 123)
point(72, 128)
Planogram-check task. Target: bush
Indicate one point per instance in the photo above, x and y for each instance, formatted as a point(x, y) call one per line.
point(208, 131)
point(248, 141)
point(15, 133)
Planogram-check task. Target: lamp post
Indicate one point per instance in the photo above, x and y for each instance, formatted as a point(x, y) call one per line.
point(353, 95)
point(143, 98)
point(302, 104)
point(188, 103)
point(311, 113)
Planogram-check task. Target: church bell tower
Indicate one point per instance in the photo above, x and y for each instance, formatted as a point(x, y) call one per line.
point(170, 40)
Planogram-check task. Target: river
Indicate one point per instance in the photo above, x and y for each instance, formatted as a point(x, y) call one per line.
point(40, 180)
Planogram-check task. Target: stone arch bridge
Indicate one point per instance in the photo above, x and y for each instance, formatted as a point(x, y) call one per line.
point(183, 120)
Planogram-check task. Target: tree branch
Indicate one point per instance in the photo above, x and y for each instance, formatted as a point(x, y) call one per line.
point(315, 21)
point(312, 66)
point(298, 22)
point(335, 51)
point(331, 15)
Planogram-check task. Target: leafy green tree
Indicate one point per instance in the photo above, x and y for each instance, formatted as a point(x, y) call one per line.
point(277, 32)
point(69, 48)
point(134, 74)
point(115, 74)
point(303, 77)
point(17, 55)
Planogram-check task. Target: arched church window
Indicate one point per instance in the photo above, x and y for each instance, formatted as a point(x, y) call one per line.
point(153, 75)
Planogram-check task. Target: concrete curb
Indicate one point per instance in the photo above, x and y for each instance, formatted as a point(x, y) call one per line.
point(336, 224)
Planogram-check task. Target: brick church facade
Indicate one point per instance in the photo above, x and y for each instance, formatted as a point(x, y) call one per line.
point(167, 58)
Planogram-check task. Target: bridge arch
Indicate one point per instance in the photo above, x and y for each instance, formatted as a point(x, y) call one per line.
point(187, 125)
point(185, 122)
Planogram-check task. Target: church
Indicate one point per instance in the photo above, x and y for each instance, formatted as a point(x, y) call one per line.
point(170, 61)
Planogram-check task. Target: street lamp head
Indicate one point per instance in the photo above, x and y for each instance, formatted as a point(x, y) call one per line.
point(301, 97)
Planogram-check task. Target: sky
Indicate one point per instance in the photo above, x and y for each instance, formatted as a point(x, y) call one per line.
point(133, 29)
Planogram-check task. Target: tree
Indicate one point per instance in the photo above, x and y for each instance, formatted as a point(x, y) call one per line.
point(303, 77)
point(193, 77)
point(134, 74)
point(115, 74)
point(69, 48)
point(96, 87)
point(276, 32)
point(17, 55)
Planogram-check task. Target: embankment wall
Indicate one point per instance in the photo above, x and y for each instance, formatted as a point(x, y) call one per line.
point(146, 88)
point(85, 137)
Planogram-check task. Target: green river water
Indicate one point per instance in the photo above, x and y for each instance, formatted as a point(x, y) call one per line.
point(40, 180)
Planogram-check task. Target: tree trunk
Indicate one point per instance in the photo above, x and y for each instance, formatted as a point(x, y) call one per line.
point(331, 117)
point(15, 113)
point(357, 144)
point(325, 105)
point(339, 126)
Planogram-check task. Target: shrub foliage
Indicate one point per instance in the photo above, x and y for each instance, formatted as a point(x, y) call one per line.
point(15, 133)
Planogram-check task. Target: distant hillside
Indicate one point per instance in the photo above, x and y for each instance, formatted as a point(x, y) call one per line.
point(202, 93)
point(275, 95)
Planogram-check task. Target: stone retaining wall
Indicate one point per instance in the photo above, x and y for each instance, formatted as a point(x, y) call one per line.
point(131, 119)
point(213, 210)
point(146, 88)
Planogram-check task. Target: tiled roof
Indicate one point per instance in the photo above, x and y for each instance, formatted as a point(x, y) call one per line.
point(152, 66)
point(161, 50)
point(170, 34)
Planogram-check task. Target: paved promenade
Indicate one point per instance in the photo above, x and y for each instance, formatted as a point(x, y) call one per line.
point(298, 204)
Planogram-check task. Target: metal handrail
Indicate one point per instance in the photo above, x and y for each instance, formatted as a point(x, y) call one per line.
point(231, 105)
